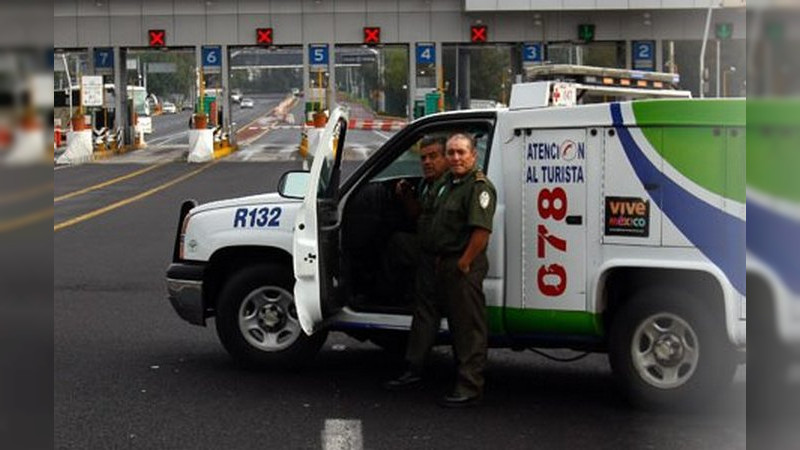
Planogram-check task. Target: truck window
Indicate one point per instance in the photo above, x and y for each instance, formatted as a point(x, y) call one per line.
point(407, 165)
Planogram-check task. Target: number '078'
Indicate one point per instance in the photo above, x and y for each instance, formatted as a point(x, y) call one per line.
point(551, 204)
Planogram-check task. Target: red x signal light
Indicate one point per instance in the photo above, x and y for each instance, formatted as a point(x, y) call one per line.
point(157, 38)
point(478, 33)
point(264, 36)
point(372, 35)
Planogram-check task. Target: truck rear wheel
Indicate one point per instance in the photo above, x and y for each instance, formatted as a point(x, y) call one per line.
point(257, 319)
point(667, 351)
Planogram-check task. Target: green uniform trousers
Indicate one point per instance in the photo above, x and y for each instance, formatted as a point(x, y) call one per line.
point(465, 305)
point(428, 311)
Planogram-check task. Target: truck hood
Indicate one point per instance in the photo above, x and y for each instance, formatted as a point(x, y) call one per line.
point(252, 200)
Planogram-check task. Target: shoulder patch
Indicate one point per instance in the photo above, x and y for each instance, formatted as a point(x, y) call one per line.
point(484, 199)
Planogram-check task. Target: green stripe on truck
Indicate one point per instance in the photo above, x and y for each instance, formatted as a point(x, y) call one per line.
point(514, 320)
point(703, 140)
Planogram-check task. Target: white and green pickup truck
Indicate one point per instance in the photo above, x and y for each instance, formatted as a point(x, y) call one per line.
point(620, 228)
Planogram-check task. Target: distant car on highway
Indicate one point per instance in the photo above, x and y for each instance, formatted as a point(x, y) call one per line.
point(247, 103)
point(236, 96)
point(169, 108)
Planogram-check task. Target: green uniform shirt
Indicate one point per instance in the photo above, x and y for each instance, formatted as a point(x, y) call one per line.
point(429, 191)
point(466, 203)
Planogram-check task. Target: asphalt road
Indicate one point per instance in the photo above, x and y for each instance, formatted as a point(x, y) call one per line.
point(128, 373)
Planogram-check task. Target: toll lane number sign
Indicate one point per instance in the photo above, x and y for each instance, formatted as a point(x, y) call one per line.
point(426, 53)
point(644, 55)
point(532, 53)
point(212, 56)
point(318, 54)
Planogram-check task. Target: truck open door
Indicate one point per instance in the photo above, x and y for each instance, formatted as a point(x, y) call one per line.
point(316, 231)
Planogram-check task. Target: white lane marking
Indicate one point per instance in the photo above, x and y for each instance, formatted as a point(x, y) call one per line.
point(341, 434)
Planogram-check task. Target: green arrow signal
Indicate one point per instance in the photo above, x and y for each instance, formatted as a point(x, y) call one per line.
point(586, 32)
point(724, 30)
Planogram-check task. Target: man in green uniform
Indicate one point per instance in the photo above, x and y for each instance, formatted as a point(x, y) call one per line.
point(427, 307)
point(460, 233)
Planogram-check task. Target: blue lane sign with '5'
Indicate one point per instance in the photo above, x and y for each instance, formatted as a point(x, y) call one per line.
point(532, 53)
point(318, 54)
point(426, 53)
point(212, 56)
point(103, 58)
point(644, 55)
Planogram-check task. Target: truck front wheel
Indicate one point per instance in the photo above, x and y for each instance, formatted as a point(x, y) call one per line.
point(257, 319)
point(667, 351)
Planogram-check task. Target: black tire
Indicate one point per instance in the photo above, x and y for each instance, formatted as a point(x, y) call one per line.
point(686, 323)
point(242, 294)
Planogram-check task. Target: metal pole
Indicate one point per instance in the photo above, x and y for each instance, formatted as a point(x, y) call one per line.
point(69, 82)
point(719, 64)
point(703, 47)
point(227, 116)
point(412, 80)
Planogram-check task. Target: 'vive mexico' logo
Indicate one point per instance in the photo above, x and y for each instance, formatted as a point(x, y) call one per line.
point(627, 216)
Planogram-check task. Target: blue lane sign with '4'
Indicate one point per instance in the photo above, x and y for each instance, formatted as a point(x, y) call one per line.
point(212, 56)
point(644, 55)
point(318, 54)
point(426, 53)
point(532, 53)
point(103, 58)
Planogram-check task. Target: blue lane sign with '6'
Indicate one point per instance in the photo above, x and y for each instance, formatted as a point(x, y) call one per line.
point(103, 58)
point(426, 53)
point(532, 53)
point(212, 56)
point(318, 54)
point(644, 55)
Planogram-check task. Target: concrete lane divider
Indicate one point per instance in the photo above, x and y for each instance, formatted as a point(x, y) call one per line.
point(201, 146)
point(79, 148)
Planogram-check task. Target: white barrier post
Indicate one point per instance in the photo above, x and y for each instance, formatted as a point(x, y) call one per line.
point(201, 145)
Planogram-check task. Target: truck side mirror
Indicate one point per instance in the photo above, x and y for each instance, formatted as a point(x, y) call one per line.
point(294, 184)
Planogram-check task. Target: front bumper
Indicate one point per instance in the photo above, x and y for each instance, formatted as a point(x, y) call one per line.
point(185, 290)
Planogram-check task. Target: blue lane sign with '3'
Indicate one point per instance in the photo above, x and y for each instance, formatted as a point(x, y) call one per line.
point(532, 53)
point(318, 54)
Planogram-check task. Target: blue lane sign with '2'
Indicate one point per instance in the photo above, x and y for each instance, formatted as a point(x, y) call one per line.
point(426, 53)
point(644, 55)
point(318, 54)
point(103, 58)
point(532, 53)
point(212, 56)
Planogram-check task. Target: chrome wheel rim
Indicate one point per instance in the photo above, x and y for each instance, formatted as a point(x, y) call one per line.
point(665, 351)
point(268, 319)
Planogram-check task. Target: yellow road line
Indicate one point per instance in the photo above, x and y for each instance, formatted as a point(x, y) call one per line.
point(109, 182)
point(121, 203)
point(13, 224)
point(17, 196)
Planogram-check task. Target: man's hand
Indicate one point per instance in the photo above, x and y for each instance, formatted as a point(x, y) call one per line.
point(477, 243)
point(403, 189)
point(463, 266)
